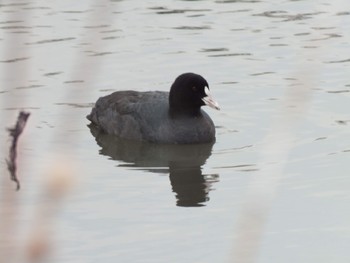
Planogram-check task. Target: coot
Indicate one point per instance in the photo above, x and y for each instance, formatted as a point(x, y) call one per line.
point(173, 117)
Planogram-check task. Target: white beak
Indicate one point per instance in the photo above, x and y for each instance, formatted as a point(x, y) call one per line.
point(209, 100)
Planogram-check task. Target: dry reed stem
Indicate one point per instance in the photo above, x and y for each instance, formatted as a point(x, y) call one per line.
point(274, 157)
point(15, 133)
point(59, 181)
point(40, 240)
point(263, 186)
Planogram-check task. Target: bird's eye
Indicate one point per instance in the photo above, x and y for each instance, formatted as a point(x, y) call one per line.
point(194, 88)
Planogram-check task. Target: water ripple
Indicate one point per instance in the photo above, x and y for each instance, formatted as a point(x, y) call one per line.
point(262, 73)
point(50, 40)
point(214, 49)
point(236, 1)
point(73, 81)
point(30, 86)
point(166, 11)
point(246, 167)
point(338, 91)
point(230, 55)
point(11, 22)
point(192, 27)
point(15, 27)
point(14, 60)
point(286, 16)
point(97, 54)
point(49, 74)
point(328, 36)
point(339, 61)
point(76, 105)
point(342, 122)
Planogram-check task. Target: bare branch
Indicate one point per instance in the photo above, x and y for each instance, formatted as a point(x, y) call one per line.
point(15, 133)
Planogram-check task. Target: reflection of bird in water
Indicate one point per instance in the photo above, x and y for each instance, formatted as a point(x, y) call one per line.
point(182, 162)
point(190, 185)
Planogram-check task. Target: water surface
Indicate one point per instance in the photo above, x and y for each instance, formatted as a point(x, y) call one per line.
point(138, 202)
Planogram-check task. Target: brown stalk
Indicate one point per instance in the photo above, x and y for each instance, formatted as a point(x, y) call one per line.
point(15, 133)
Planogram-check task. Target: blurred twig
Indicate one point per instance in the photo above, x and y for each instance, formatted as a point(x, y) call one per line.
point(15, 133)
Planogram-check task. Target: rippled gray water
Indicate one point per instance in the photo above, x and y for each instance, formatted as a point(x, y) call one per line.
point(138, 202)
